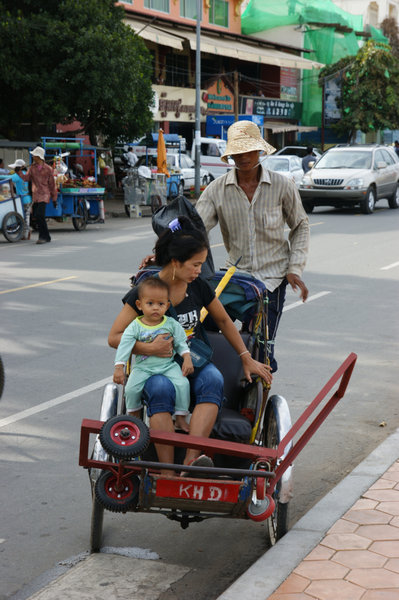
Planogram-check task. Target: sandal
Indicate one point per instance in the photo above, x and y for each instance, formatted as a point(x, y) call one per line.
point(200, 461)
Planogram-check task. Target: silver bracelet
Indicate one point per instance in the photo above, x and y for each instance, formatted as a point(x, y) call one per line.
point(245, 352)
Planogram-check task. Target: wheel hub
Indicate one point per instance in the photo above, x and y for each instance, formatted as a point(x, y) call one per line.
point(125, 434)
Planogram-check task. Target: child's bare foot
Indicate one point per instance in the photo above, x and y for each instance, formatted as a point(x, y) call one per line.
point(181, 423)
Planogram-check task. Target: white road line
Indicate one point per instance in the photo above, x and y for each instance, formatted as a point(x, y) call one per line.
point(310, 299)
point(392, 266)
point(51, 403)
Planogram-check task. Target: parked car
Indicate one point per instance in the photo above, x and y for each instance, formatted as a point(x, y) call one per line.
point(182, 164)
point(211, 151)
point(298, 151)
point(288, 165)
point(350, 175)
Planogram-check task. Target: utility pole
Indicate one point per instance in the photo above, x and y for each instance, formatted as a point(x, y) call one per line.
point(197, 189)
point(235, 75)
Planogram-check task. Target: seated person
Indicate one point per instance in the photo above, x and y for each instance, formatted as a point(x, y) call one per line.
point(180, 251)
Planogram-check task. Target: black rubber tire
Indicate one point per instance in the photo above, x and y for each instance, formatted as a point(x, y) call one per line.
point(115, 501)
point(80, 223)
point(277, 524)
point(13, 226)
point(368, 203)
point(136, 443)
point(393, 201)
point(156, 202)
point(96, 525)
point(2, 377)
point(204, 181)
point(181, 188)
point(308, 206)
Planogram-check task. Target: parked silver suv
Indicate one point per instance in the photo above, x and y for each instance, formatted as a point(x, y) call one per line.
point(347, 175)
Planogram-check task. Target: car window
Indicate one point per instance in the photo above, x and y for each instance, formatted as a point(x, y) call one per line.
point(186, 162)
point(277, 164)
point(378, 157)
point(345, 159)
point(387, 157)
point(171, 161)
point(212, 150)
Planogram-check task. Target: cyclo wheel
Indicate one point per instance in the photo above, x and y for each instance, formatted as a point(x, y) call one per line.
point(272, 434)
point(114, 499)
point(80, 223)
point(13, 226)
point(124, 437)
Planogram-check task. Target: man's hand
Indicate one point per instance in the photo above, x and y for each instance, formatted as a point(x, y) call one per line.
point(296, 282)
point(146, 262)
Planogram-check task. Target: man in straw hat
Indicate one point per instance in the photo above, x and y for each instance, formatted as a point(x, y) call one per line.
point(252, 206)
point(43, 188)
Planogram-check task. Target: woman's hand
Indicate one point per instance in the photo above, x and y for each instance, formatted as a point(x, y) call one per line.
point(161, 346)
point(252, 366)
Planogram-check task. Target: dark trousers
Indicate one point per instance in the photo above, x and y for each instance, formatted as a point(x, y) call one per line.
point(274, 311)
point(39, 211)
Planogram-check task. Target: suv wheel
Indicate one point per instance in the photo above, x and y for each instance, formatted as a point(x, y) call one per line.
point(368, 203)
point(393, 200)
point(308, 206)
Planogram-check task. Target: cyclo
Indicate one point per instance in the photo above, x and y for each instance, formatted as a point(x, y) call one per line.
point(252, 443)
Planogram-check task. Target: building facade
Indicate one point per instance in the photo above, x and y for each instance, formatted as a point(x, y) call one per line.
point(240, 74)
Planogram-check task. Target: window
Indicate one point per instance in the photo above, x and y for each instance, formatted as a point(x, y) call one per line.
point(188, 9)
point(387, 157)
point(161, 5)
point(219, 12)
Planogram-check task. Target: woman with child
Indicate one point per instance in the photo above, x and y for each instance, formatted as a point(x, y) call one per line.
point(180, 252)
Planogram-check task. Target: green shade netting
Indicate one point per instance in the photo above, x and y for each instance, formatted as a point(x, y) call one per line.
point(378, 36)
point(261, 15)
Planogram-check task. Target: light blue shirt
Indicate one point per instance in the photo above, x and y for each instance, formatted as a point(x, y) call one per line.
point(22, 188)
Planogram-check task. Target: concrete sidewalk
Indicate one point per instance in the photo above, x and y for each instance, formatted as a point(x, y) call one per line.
point(345, 548)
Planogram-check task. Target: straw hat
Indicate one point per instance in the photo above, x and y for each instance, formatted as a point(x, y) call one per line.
point(245, 136)
point(38, 151)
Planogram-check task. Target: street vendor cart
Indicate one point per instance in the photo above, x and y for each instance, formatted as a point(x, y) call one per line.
point(81, 198)
point(12, 222)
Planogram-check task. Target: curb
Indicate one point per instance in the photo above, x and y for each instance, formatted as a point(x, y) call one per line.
point(273, 568)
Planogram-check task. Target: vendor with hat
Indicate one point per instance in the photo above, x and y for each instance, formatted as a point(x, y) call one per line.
point(43, 188)
point(22, 190)
point(252, 206)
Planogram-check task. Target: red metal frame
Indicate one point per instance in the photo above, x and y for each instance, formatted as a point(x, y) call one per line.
point(257, 454)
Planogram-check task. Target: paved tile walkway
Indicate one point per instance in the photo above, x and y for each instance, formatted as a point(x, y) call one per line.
point(358, 559)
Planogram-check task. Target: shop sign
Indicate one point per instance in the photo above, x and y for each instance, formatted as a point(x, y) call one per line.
point(176, 104)
point(288, 83)
point(218, 98)
point(271, 108)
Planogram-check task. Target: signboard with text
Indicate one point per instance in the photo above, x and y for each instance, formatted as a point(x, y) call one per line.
point(271, 108)
point(218, 98)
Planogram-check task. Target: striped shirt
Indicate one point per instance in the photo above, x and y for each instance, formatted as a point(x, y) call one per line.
point(255, 230)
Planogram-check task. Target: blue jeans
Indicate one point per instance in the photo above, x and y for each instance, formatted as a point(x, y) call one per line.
point(274, 311)
point(206, 386)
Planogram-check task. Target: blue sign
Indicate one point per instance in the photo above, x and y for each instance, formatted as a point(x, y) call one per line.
point(217, 124)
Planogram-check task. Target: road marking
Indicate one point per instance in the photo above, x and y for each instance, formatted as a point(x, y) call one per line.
point(310, 299)
point(55, 402)
point(392, 266)
point(32, 285)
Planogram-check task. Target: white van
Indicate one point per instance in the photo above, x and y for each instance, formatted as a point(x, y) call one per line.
point(211, 151)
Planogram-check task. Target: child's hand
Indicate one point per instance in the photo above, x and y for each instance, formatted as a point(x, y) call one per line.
point(119, 374)
point(187, 366)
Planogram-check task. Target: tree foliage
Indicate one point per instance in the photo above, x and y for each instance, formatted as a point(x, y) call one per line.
point(369, 89)
point(390, 29)
point(67, 60)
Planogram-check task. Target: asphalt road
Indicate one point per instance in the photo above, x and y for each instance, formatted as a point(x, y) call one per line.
point(57, 303)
